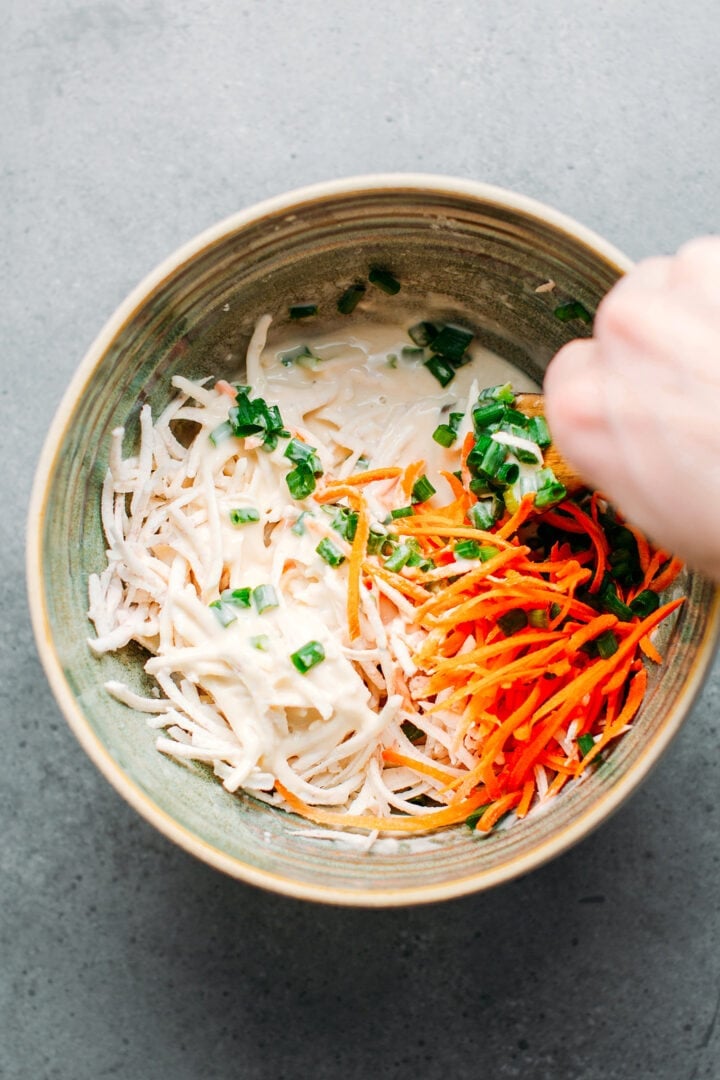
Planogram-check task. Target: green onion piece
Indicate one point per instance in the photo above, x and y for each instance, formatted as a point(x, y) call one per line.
point(224, 612)
point(573, 309)
point(538, 618)
point(244, 515)
point(422, 490)
point(480, 486)
point(444, 435)
point(423, 333)
point(362, 463)
point(488, 551)
point(452, 343)
point(585, 744)
point(300, 481)
point(299, 527)
point(222, 431)
point(607, 644)
point(483, 515)
point(443, 372)
point(401, 512)
point(512, 621)
point(508, 473)
point(455, 419)
point(298, 452)
point(611, 602)
point(492, 459)
point(350, 299)
point(550, 495)
point(520, 421)
point(399, 558)
point(539, 431)
point(300, 354)
point(376, 541)
point(345, 523)
point(261, 642)
point(384, 280)
point(411, 732)
point(467, 549)
point(238, 597)
point(391, 360)
point(327, 551)
point(408, 352)
point(503, 393)
point(555, 610)
point(645, 603)
point(307, 656)
point(252, 417)
point(472, 819)
point(487, 414)
point(303, 311)
point(264, 597)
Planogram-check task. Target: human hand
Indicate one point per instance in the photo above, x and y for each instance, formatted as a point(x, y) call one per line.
point(636, 408)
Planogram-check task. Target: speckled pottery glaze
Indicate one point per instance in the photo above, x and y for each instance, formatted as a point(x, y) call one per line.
point(485, 249)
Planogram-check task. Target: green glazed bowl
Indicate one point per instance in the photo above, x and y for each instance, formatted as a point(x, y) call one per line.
point(486, 250)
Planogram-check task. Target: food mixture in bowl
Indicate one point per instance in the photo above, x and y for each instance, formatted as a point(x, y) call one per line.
point(366, 598)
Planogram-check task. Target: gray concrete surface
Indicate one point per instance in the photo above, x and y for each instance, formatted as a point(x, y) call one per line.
point(126, 128)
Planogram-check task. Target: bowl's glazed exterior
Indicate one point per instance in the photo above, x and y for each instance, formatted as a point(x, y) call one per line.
point(488, 250)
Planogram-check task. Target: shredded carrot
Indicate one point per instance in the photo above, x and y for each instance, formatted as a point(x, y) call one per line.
point(649, 650)
point(668, 575)
point(369, 476)
point(518, 518)
point(394, 757)
point(426, 822)
point(526, 798)
point(410, 475)
point(494, 812)
point(357, 555)
point(225, 387)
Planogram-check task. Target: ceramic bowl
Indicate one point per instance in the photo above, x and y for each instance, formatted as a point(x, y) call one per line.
point(487, 250)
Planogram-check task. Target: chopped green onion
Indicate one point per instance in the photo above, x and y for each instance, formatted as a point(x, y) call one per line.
point(422, 490)
point(488, 551)
point(452, 343)
point(307, 656)
point(503, 393)
point(224, 612)
point(645, 603)
point(244, 515)
point(399, 558)
point(423, 333)
point(264, 597)
point(391, 360)
point(409, 352)
point(539, 431)
point(222, 431)
point(362, 463)
point(550, 495)
point(331, 554)
point(585, 744)
point(401, 512)
point(444, 435)
point(555, 610)
point(238, 597)
point(376, 541)
point(299, 355)
point(345, 523)
point(384, 280)
point(298, 451)
point(487, 414)
point(299, 527)
point(350, 299)
point(472, 819)
point(411, 732)
point(303, 311)
point(301, 481)
point(483, 515)
point(492, 459)
point(520, 421)
point(611, 602)
point(508, 473)
point(467, 549)
point(261, 642)
point(538, 617)
point(607, 644)
point(573, 309)
point(443, 372)
point(512, 621)
point(254, 417)
point(455, 419)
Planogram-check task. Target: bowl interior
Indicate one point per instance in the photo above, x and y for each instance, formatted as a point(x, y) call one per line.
point(480, 254)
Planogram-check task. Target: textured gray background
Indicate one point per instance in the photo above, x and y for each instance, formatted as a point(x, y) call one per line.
point(126, 128)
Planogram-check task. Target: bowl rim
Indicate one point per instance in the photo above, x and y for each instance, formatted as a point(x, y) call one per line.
point(294, 201)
